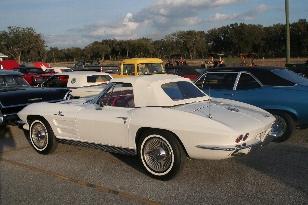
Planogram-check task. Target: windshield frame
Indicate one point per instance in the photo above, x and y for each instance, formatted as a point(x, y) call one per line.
point(106, 89)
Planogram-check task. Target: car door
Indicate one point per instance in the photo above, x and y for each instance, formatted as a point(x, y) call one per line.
point(107, 121)
point(64, 120)
point(218, 84)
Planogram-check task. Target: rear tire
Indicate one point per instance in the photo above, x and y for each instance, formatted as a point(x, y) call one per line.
point(283, 127)
point(161, 154)
point(41, 136)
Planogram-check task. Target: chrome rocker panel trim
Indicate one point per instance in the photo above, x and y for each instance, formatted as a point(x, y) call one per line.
point(106, 148)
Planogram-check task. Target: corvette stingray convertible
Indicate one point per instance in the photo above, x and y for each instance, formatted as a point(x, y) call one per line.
point(161, 118)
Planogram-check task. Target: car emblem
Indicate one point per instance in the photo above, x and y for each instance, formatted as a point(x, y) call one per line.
point(73, 80)
point(59, 114)
point(232, 109)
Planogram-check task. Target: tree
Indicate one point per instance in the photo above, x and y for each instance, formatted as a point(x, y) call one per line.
point(299, 38)
point(232, 40)
point(96, 51)
point(22, 43)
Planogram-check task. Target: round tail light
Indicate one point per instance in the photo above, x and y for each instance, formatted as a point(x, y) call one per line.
point(246, 136)
point(239, 139)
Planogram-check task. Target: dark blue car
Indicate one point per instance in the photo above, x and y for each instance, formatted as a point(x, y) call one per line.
point(277, 90)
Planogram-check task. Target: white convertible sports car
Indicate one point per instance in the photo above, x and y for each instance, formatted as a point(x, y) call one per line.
point(161, 118)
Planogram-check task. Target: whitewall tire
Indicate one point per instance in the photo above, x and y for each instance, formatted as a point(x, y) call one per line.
point(41, 136)
point(161, 154)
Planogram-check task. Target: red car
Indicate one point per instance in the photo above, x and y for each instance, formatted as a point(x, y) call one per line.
point(34, 76)
point(9, 64)
point(191, 72)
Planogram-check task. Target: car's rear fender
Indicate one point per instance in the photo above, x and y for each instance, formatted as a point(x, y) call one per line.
point(189, 128)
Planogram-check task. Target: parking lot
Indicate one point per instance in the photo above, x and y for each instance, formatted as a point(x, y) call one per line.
point(276, 175)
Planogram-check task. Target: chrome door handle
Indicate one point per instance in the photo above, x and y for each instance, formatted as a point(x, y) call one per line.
point(123, 118)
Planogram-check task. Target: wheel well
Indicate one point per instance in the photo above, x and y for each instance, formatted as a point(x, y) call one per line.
point(142, 130)
point(30, 118)
point(292, 115)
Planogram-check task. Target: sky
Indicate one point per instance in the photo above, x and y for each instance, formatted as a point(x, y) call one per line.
point(76, 23)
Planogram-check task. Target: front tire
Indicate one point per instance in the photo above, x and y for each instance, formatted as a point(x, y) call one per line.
point(283, 127)
point(42, 137)
point(161, 154)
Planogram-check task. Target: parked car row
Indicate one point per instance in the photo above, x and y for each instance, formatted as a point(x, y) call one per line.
point(16, 93)
point(34, 76)
point(82, 84)
point(161, 118)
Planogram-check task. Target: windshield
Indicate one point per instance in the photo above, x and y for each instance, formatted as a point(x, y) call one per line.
point(291, 76)
point(12, 81)
point(182, 90)
point(150, 68)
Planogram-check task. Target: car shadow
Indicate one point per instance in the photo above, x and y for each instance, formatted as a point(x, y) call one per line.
point(131, 161)
point(6, 140)
point(286, 162)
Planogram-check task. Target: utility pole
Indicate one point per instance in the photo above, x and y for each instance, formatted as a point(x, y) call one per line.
point(287, 32)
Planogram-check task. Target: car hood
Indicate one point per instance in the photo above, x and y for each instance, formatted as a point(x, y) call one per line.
point(236, 115)
point(23, 96)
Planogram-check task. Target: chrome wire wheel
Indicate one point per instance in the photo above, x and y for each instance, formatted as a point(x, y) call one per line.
point(39, 136)
point(279, 127)
point(157, 155)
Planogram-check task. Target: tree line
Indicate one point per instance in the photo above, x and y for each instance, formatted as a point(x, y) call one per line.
point(232, 40)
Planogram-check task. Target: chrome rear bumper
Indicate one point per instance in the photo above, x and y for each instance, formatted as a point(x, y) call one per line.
point(241, 149)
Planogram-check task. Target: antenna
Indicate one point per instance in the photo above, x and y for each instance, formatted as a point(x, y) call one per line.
point(210, 102)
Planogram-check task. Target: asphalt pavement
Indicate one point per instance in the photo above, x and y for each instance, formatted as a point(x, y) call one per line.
point(278, 174)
